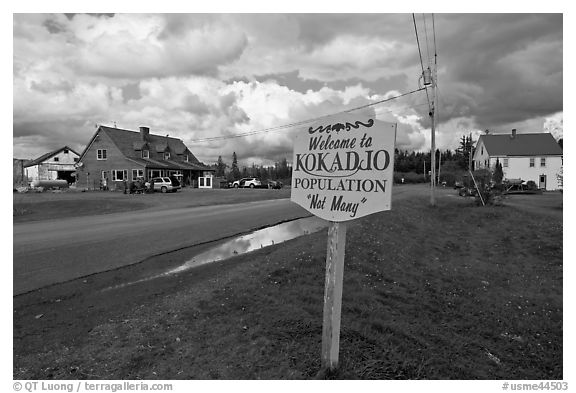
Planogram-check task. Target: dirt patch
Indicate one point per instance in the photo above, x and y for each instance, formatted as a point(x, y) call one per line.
point(453, 292)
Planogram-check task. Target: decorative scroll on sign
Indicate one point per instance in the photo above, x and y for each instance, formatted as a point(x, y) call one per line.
point(343, 167)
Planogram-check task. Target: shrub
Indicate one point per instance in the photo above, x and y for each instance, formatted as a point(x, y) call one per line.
point(531, 185)
point(490, 195)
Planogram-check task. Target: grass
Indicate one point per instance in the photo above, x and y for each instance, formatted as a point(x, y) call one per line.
point(55, 205)
point(453, 292)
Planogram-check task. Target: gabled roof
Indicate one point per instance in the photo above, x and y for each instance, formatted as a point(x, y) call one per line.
point(542, 144)
point(150, 163)
point(130, 143)
point(140, 145)
point(127, 141)
point(46, 156)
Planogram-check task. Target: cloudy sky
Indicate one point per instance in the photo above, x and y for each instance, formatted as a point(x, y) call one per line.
point(196, 76)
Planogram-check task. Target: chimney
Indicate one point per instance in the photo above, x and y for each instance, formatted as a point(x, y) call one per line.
point(513, 133)
point(486, 132)
point(144, 131)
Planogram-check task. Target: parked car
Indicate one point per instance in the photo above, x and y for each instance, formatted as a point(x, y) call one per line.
point(276, 184)
point(164, 184)
point(252, 182)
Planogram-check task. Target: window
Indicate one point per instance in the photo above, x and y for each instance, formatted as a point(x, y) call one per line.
point(75, 159)
point(482, 150)
point(531, 162)
point(186, 158)
point(101, 154)
point(136, 173)
point(542, 161)
point(505, 163)
point(65, 151)
point(119, 174)
point(56, 159)
point(167, 155)
point(145, 153)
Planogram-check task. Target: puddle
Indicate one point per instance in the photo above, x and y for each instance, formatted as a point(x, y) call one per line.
point(243, 244)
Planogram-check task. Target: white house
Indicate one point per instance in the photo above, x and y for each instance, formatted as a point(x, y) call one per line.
point(536, 157)
point(58, 164)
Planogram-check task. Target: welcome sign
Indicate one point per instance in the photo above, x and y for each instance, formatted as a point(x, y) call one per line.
point(343, 167)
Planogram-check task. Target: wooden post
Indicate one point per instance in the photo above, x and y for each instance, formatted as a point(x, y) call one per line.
point(333, 294)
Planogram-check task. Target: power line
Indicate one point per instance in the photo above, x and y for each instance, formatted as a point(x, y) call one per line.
point(435, 52)
point(296, 124)
point(435, 68)
point(426, 36)
point(418, 42)
point(420, 53)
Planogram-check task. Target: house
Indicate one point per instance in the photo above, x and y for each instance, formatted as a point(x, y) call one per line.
point(58, 164)
point(536, 157)
point(115, 155)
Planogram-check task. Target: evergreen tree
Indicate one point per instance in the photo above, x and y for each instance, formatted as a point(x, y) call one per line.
point(464, 151)
point(498, 173)
point(282, 169)
point(235, 170)
point(220, 167)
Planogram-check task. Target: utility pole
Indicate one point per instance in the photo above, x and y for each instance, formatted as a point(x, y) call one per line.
point(433, 164)
point(428, 80)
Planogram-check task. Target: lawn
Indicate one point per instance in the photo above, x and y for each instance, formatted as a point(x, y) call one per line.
point(452, 292)
point(55, 205)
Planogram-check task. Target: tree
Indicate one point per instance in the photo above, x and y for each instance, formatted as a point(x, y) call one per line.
point(464, 151)
point(560, 177)
point(220, 167)
point(282, 171)
point(235, 170)
point(498, 173)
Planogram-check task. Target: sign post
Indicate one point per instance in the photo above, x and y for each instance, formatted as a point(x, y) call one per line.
point(343, 169)
point(333, 294)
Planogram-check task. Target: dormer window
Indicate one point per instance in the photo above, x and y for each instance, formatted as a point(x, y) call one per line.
point(146, 153)
point(166, 155)
point(186, 157)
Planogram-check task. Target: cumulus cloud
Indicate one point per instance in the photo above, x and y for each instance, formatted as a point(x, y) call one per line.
point(207, 75)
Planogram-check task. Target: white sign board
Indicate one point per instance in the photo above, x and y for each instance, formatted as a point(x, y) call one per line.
point(343, 167)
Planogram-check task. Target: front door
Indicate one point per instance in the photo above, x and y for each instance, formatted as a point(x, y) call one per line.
point(542, 182)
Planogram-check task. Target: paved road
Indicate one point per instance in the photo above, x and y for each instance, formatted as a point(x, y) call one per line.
point(49, 252)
